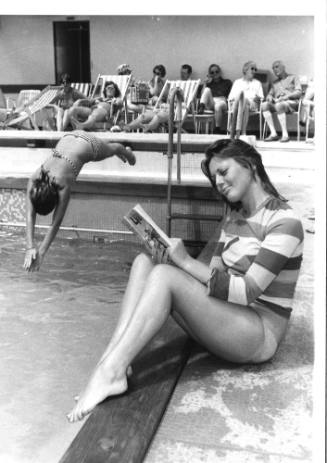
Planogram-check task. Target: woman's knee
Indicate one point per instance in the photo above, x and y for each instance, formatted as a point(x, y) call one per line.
point(164, 275)
point(141, 260)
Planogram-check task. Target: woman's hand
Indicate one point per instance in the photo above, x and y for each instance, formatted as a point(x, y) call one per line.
point(159, 253)
point(178, 254)
point(31, 261)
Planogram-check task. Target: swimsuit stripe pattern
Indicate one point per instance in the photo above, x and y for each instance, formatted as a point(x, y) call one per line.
point(95, 143)
point(270, 244)
point(56, 154)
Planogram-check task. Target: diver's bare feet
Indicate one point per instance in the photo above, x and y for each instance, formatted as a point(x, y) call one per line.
point(103, 383)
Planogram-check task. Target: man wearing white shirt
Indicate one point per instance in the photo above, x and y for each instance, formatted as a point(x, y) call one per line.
point(253, 95)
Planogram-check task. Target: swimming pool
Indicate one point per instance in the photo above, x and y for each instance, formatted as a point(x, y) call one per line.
point(106, 190)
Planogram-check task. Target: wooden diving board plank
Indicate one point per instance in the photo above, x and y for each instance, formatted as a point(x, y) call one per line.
point(121, 428)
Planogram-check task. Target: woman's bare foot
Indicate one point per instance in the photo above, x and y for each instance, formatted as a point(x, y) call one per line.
point(129, 373)
point(103, 383)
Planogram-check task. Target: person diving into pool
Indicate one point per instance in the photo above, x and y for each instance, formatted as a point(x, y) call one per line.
point(49, 187)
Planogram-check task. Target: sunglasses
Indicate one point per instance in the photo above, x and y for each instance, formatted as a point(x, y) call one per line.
point(214, 72)
point(254, 69)
point(157, 73)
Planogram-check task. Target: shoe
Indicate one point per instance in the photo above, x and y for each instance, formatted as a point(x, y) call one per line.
point(201, 108)
point(284, 139)
point(272, 138)
point(115, 128)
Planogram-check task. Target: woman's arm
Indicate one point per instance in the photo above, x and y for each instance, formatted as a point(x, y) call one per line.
point(180, 257)
point(31, 252)
point(58, 216)
point(280, 250)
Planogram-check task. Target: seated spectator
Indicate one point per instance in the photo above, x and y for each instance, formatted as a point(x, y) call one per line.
point(253, 95)
point(65, 100)
point(124, 70)
point(283, 98)
point(307, 107)
point(156, 85)
point(4, 111)
point(150, 120)
point(84, 114)
point(157, 82)
point(214, 95)
point(186, 72)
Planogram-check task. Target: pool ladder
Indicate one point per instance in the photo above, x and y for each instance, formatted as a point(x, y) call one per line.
point(175, 120)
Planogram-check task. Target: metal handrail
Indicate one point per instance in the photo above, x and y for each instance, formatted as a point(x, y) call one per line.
point(176, 93)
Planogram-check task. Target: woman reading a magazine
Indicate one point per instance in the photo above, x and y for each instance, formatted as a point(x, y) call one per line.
point(49, 187)
point(238, 306)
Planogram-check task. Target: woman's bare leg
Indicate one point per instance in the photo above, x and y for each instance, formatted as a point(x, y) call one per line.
point(97, 115)
point(139, 273)
point(233, 332)
point(139, 121)
point(75, 113)
point(59, 119)
point(141, 267)
point(65, 120)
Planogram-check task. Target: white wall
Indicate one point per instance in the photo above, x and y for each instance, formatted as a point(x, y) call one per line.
point(198, 40)
point(27, 54)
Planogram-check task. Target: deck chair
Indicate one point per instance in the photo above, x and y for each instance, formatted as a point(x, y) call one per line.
point(257, 113)
point(189, 89)
point(122, 82)
point(83, 87)
point(28, 111)
point(6, 107)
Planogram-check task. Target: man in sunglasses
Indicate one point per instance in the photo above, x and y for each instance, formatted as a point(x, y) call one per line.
point(283, 98)
point(214, 95)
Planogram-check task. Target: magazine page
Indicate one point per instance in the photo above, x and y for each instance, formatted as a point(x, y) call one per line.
point(142, 225)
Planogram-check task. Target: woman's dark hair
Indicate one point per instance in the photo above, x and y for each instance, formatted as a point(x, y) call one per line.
point(65, 79)
point(188, 67)
point(161, 68)
point(44, 193)
point(117, 91)
point(214, 66)
point(245, 155)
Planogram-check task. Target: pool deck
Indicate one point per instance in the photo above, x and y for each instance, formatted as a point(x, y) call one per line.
point(57, 322)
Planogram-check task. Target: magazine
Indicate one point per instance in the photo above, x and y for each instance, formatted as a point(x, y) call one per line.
point(143, 226)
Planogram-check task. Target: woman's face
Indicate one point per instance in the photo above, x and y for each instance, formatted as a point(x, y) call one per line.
point(232, 180)
point(110, 91)
point(157, 72)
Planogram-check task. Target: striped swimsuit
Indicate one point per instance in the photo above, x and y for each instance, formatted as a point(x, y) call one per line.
point(96, 147)
point(261, 256)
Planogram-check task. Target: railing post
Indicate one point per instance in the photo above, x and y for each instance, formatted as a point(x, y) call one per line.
point(176, 92)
